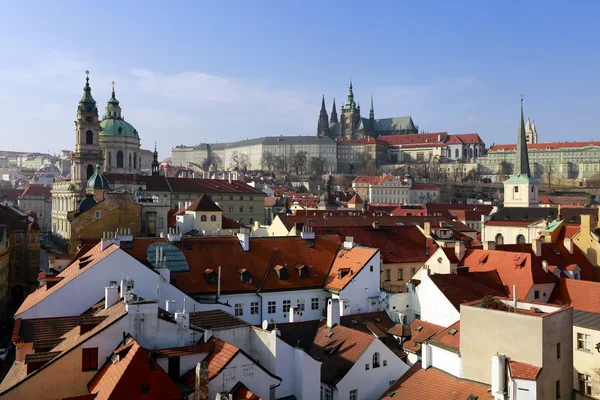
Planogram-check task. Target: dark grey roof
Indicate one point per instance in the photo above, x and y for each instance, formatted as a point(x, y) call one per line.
point(392, 124)
point(586, 319)
point(334, 129)
point(525, 214)
point(573, 215)
point(274, 140)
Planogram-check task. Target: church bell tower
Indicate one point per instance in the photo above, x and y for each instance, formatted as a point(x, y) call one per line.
point(87, 152)
point(349, 116)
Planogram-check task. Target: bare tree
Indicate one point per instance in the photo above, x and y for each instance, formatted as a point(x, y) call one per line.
point(299, 162)
point(549, 172)
point(317, 165)
point(234, 163)
point(268, 161)
point(505, 170)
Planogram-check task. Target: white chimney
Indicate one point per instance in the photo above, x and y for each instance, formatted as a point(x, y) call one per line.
point(545, 265)
point(568, 243)
point(459, 250)
point(515, 297)
point(307, 233)
point(349, 243)
point(498, 375)
point(244, 239)
point(174, 235)
point(333, 312)
point(425, 355)
point(207, 334)
point(169, 304)
point(489, 245)
point(111, 295)
point(126, 285)
point(536, 247)
point(108, 238)
point(181, 318)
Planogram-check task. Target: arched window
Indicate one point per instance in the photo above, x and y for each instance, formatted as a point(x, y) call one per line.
point(516, 189)
point(203, 218)
point(499, 239)
point(449, 153)
point(375, 360)
point(90, 171)
point(109, 159)
point(119, 159)
point(213, 218)
point(89, 137)
point(471, 153)
point(134, 160)
point(520, 239)
point(129, 160)
point(456, 153)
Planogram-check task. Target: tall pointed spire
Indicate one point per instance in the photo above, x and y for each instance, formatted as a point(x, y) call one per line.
point(87, 100)
point(323, 124)
point(372, 111)
point(334, 117)
point(113, 109)
point(521, 156)
point(350, 102)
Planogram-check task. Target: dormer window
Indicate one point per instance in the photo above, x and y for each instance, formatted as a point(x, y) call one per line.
point(211, 276)
point(302, 271)
point(244, 275)
point(342, 272)
point(281, 272)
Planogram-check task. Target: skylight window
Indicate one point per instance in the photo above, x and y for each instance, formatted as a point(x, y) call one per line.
point(452, 332)
point(419, 328)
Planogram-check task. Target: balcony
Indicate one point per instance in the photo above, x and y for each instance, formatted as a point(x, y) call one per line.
point(393, 287)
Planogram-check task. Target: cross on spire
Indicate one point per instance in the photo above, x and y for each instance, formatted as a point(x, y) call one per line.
point(87, 75)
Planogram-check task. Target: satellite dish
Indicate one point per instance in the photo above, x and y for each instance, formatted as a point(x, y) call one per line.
point(265, 324)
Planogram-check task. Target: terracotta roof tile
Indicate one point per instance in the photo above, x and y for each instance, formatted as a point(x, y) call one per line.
point(355, 200)
point(241, 392)
point(449, 337)
point(420, 332)
point(581, 295)
point(465, 287)
point(338, 348)
point(37, 190)
point(222, 354)
point(347, 263)
point(215, 320)
point(523, 371)
point(544, 146)
point(434, 384)
point(131, 375)
point(76, 268)
point(203, 203)
point(185, 350)
point(29, 330)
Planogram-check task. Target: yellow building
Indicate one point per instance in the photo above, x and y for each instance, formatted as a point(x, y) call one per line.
point(587, 240)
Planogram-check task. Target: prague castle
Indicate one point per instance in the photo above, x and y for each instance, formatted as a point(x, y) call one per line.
point(351, 126)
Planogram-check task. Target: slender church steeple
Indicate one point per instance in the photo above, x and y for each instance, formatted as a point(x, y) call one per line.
point(350, 104)
point(372, 111)
point(521, 156)
point(155, 163)
point(334, 117)
point(323, 124)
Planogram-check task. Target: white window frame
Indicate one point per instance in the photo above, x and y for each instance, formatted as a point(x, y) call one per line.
point(271, 307)
point(314, 303)
point(353, 395)
point(300, 303)
point(254, 308)
point(584, 342)
point(238, 309)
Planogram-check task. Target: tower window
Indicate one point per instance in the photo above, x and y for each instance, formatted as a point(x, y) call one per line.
point(129, 160)
point(109, 159)
point(89, 137)
point(134, 160)
point(516, 189)
point(119, 159)
point(90, 171)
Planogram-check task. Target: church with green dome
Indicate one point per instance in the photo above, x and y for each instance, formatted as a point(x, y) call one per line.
point(119, 140)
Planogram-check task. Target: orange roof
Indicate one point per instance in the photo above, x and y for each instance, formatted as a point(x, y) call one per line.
point(203, 203)
point(130, 375)
point(521, 370)
point(449, 337)
point(222, 354)
point(348, 263)
point(544, 146)
point(82, 264)
point(355, 200)
point(581, 295)
point(421, 139)
point(420, 332)
point(338, 348)
point(434, 384)
point(241, 392)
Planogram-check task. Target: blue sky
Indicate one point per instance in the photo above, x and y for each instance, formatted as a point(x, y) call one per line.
point(225, 70)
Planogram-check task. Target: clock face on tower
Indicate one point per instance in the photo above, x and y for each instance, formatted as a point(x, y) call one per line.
point(89, 119)
point(89, 108)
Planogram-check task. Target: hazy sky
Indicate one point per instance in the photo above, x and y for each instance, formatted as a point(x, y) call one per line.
point(227, 70)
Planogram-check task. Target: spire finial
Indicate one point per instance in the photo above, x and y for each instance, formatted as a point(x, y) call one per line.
point(113, 88)
point(154, 146)
point(87, 75)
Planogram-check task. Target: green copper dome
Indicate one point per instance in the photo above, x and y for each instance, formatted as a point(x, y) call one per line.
point(117, 127)
point(98, 181)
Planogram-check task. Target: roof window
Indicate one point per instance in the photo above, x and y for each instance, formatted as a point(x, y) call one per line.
point(329, 334)
point(244, 274)
point(452, 332)
point(211, 276)
point(282, 272)
point(302, 271)
point(419, 328)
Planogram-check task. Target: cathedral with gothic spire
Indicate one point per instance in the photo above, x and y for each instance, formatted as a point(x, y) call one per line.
point(351, 126)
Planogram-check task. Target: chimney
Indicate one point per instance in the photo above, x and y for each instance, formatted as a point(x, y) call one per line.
point(545, 265)
point(182, 319)
point(489, 245)
point(201, 389)
point(109, 238)
point(111, 295)
point(459, 250)
point(126, 285)
point(208, 333)
point(333, 312)
point(425, 355)
point(349, 243)
point(169, 304)
point(568, 243)
point(375, 224)
point(230, 178)
point(427, 229)
point(536, 247)
point(586, 223)
point(244, 239)
point(515, 297)
point(219, 283)
point(307, 233)
point(498, 375)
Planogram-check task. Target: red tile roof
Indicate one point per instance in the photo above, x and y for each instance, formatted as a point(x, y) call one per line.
point(338, 348)
point(581, 295)
point(185, 350)
point(222, 354)
point(398, 244)
point(356, 200)
point(449, 337)
point(424, 186)
point(347, 264)
point(421, 139)
point(544, 146)
point(465, 287)
point(521, 370)
point(241, 392)
point(28, 330)
point(517, 265)
point(203, 203)
point(132, 375)
point(215, 320)
point(434, 384)
point(37, 190)
point(420, 332)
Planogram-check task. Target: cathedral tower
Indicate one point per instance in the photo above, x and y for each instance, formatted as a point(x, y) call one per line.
point(323, 125)
point(334, 117)
point(521, 190)
point(87, 152)
point(350, 116)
